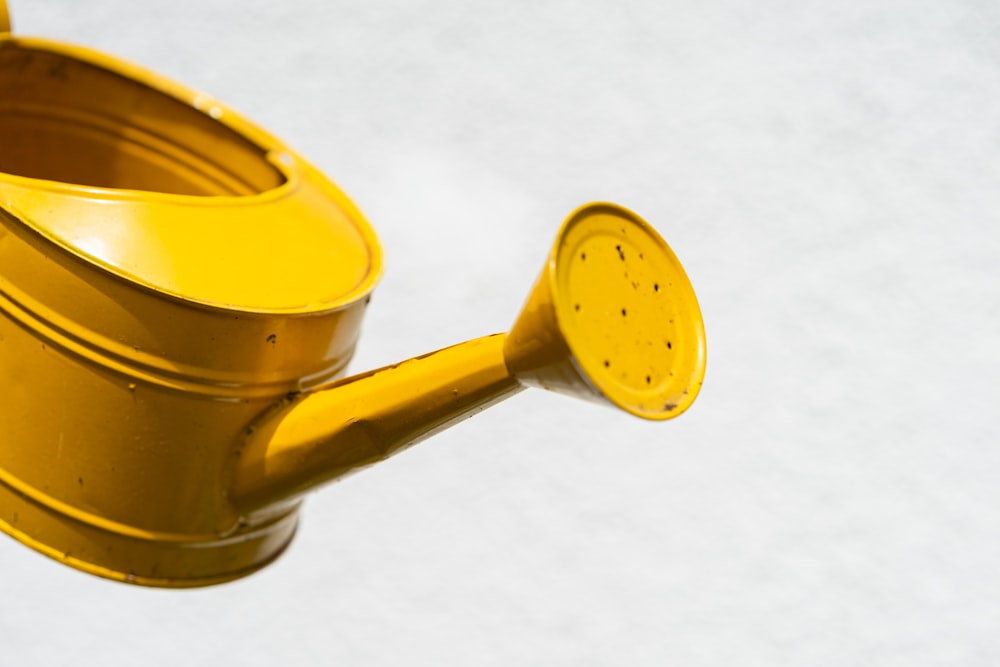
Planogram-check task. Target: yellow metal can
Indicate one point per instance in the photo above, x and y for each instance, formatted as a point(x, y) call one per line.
point(180, 294)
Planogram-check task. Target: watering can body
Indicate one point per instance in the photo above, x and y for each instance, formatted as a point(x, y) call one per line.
point(151, 304)
point(180, 294)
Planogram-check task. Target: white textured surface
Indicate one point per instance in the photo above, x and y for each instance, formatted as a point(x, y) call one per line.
point(828, 172)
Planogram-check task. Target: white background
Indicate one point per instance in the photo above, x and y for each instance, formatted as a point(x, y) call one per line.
point(829, 174)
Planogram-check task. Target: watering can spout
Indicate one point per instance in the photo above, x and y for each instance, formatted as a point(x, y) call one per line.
point(316, 437)
point(145, 291)
point(612, 318)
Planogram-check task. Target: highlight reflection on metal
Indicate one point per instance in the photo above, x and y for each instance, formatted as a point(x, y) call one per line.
point(180, 292)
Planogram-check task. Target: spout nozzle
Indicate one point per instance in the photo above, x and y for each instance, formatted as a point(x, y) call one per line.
point(612, 318)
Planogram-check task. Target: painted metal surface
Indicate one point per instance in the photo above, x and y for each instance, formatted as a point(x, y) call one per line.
point(180, 294)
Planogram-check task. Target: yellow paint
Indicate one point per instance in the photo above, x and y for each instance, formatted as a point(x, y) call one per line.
point(180, 294)
point(612, 318)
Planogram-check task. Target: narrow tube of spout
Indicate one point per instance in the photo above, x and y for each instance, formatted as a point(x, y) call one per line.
point(325, 434)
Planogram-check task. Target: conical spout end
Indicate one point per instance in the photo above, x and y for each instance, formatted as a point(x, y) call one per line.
point(612, 318)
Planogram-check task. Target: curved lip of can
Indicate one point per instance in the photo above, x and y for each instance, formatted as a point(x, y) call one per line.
point(294, 170)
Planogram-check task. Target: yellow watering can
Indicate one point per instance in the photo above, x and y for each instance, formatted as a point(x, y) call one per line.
point(180, 292)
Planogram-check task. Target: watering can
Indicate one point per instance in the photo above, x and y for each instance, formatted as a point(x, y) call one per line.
point(180, 294)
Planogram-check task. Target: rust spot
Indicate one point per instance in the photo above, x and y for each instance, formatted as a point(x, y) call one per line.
point(272, 339)
point(60, 71)
point(621, 253)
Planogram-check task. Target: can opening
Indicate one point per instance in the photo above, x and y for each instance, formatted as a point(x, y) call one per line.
point(67, 120)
